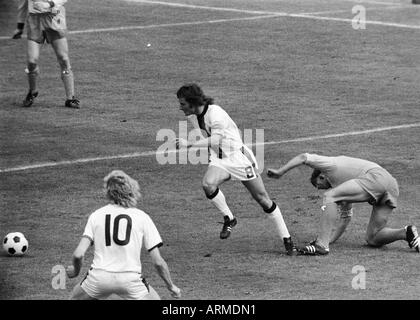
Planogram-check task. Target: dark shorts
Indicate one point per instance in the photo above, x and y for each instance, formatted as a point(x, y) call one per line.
point(382, 187)
point(47, 26)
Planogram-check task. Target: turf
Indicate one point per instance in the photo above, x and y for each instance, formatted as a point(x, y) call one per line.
point(293, 77)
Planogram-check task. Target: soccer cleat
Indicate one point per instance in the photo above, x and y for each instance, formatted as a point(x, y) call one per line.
point(227, 227)
point(313, 249)
point(291, 249)
point(29, 100)
point(413, 238)
point(72, 103)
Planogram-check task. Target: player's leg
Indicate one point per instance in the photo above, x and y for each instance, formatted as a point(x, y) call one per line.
point(257, 189)
point(212, 179)
point(349, 191)
point(79, 294)
point(377, 233)
point(32, 71)
point(60, 46)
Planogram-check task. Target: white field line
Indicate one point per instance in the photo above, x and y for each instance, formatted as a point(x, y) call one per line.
point(370, 22)
point(308, 15)
point(264, 15)
point(154, 153)
point(164, 25)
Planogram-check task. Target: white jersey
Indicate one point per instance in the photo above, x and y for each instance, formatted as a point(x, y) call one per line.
point(118, 235)
point(214, 120)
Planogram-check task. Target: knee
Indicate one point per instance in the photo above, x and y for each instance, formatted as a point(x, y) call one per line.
point(64, 62)
point(328, 197)
point(263, 199)
point(209, 187)
point(32, 68)
point(32, 60)
point(371, 240)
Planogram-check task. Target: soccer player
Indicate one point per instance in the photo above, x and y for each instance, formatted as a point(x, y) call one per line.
point(229, 157)
point(118, 231)
point(350, 180)
point(46, 22)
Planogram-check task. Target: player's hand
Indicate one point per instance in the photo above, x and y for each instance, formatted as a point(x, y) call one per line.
point(273, 173)
point(175, 291)
point(71, 273)
point(17, 34)
point(181, 143)
point(42, 6)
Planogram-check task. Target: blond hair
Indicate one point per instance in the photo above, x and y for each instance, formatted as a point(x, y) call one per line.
point(121, 189)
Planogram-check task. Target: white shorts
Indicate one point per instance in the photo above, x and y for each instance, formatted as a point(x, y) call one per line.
point(240, 164)
point(99, 284)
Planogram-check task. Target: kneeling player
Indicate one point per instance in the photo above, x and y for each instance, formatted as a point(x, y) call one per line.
point(351, 180)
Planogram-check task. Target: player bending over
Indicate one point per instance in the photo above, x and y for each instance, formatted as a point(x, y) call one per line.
point(118, 231)
point(229, 157)
point(349, 180)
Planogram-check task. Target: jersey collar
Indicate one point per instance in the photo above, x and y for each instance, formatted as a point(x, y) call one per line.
point(201, 115)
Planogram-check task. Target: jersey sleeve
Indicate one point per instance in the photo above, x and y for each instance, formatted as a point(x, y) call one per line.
point(88, 233)
point(321, 163)
point(151, 236)
point(217, 122)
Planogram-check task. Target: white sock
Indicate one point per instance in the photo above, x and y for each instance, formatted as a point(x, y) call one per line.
point(277, 217)
point(219, 201)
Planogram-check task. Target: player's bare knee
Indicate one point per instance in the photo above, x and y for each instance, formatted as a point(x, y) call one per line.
point(328, 198)
point(209, 188)
point(263, 199)
point(64, 65)
point(371, 240)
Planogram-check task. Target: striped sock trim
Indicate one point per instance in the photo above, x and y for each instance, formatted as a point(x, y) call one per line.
point(270, 210)
point(213, 195)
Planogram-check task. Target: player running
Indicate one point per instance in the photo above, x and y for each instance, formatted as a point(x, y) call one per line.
point(46, 22)
point(229, 157)
point(118, 231)
point(351, 180)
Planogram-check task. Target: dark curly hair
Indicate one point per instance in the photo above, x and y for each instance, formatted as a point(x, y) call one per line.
point(194, 95)
point(315, 175)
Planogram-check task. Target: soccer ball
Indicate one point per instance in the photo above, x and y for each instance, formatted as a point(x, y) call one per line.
point(15, 244)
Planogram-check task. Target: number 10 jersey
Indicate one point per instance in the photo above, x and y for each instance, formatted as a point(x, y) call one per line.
point(118, 235)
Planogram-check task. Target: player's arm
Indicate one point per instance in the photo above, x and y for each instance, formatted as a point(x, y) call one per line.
point(163, 271)
point(293, 163)
point(213, 140)
point(78, 255)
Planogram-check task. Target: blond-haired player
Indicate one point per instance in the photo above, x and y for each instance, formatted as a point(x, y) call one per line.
point(350, 180)
point(118, 232)
point(229, 157)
